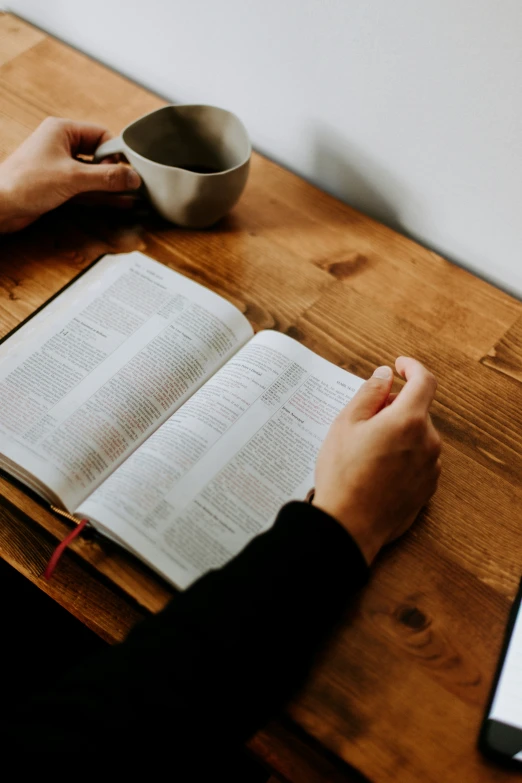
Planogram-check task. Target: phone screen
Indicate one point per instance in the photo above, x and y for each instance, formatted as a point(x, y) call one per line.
point(501, 733)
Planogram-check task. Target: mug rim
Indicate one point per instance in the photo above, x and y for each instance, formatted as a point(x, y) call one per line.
point(192, 106)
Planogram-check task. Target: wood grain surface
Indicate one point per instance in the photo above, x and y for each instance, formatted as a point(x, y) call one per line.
point(399, 692)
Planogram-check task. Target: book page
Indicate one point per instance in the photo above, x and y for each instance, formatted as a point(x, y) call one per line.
point(218, 471)
point(98, 370)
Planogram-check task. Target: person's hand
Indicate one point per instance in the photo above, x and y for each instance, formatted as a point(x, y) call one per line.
point(380, 461)
point(44, 172)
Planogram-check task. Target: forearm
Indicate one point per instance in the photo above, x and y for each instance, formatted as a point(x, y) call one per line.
point(223, 656)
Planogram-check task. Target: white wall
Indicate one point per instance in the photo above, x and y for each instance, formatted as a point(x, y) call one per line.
point(410, 110)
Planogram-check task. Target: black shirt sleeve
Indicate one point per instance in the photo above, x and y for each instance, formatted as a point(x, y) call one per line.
point(200, 677)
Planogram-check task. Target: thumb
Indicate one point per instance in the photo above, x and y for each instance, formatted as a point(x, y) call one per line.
point(372, 395)
point(104, 177)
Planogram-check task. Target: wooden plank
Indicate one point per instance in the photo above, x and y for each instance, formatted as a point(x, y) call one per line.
point(506, 356)
point(17, 120)
point(387, 268)
point(16, 37)
point(479, 410)
point(290, 754)
point(12, 134)
point(25, 546)
point(128, 573)
point(253, 277)
point(415, 667)
point(63, 82)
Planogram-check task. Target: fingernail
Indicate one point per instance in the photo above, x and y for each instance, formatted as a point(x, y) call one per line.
point(133, 179)
point(385, 373)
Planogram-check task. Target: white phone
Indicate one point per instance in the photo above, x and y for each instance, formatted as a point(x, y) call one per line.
point(501, 732)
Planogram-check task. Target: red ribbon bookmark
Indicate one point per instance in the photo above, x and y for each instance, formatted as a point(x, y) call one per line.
point(62, 546)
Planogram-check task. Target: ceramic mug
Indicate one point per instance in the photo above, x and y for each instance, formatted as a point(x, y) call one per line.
point(193, 161)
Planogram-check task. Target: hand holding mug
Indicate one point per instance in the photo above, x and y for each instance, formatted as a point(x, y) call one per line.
point(44, 172)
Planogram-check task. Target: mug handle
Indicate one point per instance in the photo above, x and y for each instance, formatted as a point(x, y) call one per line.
point(110, 147)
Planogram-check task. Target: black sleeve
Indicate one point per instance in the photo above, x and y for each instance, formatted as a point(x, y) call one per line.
point(200, 677)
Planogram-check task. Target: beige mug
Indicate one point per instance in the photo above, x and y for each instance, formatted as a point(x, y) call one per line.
point(193, 161)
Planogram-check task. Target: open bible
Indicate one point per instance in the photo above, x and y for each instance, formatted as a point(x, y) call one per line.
point(141, 401)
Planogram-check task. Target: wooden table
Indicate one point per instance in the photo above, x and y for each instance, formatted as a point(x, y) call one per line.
point(400, 691)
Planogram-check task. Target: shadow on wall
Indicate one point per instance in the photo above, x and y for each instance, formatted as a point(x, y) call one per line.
point(343, 170)
point(350, 175)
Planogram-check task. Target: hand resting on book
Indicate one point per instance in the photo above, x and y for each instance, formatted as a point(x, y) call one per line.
point(379, 463)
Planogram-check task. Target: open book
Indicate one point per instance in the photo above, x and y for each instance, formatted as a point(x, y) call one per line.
point(142, 401)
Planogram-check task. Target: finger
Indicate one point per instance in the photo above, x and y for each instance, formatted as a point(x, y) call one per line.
point(85, 138)
point(371, 396)
point(116, 158)
point(420, 387)
point(118, 200)
point(107, 178)
point(433, 434)
point(391, 398)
